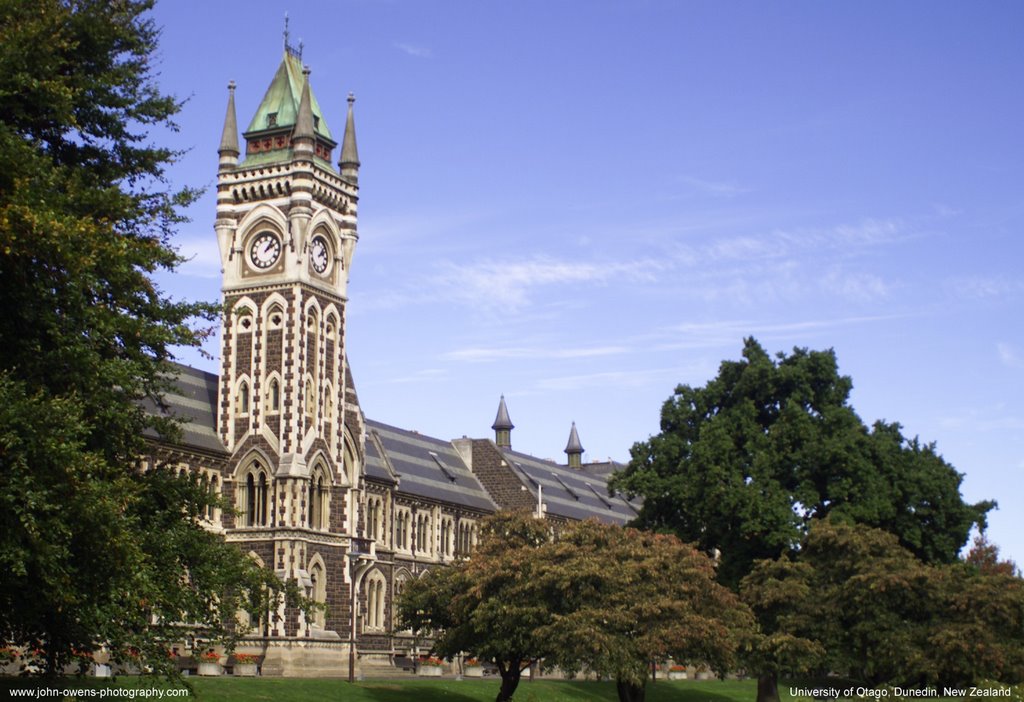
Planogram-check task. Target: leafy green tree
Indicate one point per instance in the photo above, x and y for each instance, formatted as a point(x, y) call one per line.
point(93, 551)
point(743, 466)
point(597, 598)
point(487, 606)
point(984, 555)
point(879, 614)
point(621, 598)
point(747, 462)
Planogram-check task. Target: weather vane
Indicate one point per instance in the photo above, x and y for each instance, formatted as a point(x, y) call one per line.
point(297, 52)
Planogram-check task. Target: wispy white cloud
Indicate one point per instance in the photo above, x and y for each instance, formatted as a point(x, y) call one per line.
point(617, 379)
point(858, 287)
point(481, 354)
point(202, 257)
point(712, 187)
point(420, 376)
point(983, 420)
point(414, 50)
point(726, 333)
point(1008, 356)
point(508, 284)
point(985, 287)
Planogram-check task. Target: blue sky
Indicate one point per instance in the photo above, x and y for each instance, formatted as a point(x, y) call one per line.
point(582, 204)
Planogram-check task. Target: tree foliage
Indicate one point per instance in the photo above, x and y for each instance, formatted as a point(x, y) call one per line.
point(486, 607)
point(598, 598)
point(877, 613)
point(744, 464)
point(622, 598)
point(94, 551)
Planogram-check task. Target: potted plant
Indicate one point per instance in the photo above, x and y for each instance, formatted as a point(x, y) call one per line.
point(677, 672)
point(245, 664)
point(473, 668)
point(209, 663)
point(431, 667)
point(9, 660)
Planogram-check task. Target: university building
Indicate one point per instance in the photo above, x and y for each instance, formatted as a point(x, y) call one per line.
point(349, 507)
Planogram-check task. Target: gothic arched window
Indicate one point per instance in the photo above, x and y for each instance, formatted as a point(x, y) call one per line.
point(318, 500)
point(243, 398)
point(254, 501)
point(319, 578)
point(273, 396)
point(376, 590)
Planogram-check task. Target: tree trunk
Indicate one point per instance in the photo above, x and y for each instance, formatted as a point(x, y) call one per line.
point(630, 692)
point(768, 687)
point(509, 682)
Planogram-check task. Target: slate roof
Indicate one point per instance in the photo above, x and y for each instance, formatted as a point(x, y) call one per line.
point(282, 100)
point(425, 467)
point(570, 492)
point(422, 466)
point(193, 397)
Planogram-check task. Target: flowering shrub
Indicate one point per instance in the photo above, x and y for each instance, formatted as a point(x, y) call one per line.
point(472, 661)
point(8, 655)
point(677, 668)
point(210, 657)
point(430, 660)
point(244, 658)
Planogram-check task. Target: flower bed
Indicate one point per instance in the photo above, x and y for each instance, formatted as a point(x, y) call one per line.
point(431, 667)
point(209, 664)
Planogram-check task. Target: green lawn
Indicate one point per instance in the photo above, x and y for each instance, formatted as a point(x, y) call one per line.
point(230, 689)
point(227, 689)
point(288, 690)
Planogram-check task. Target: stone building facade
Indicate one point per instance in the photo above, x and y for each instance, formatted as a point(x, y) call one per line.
point(322, 495)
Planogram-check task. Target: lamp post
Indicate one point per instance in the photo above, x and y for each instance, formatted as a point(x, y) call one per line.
point(354, 553)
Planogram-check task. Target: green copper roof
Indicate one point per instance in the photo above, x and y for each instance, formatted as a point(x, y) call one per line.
point(282, 101)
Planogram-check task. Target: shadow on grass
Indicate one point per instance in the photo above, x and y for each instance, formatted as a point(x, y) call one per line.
point(230, 689)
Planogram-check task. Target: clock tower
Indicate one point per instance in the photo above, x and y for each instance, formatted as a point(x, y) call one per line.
point(286, 229)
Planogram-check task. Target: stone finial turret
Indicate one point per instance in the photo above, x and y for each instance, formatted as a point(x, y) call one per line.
point(503, 426)
point(228, 149)
point(304, 118)
point(349, 161)
point(574, 449)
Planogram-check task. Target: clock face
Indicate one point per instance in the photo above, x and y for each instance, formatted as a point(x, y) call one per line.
point(265, 250)
point(319, 254)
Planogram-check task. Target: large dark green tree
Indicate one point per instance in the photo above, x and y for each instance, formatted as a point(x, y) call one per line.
point(744, 465)
point(93, 551)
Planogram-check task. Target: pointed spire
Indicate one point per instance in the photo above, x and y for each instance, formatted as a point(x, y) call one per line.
point(349, 161)
point(503, 426)
point(304, 118)
point(574, 449)
point(229, 139)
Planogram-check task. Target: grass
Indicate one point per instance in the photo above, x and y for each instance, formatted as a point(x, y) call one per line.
point(289, 690)
point(227, 689)
point(230, 689)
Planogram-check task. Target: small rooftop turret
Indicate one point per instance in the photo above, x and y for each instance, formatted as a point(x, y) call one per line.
point(503, 426)
point(229, 138)
point(574, 449)
point(349, 162)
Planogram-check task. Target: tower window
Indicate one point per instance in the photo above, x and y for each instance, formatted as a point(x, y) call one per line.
point(254, 498)
point(272, 119)
point(310, 399)
point(243, 398)
point(274, 396)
